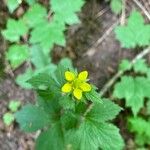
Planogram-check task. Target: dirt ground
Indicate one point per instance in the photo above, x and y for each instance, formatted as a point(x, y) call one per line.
point(101, 60)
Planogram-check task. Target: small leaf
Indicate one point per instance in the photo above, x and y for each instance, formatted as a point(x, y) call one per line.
point(8, 118)
point(135, 33)
point(15, 29)
point(141, 128)
point(14, 105)
point(140, 66)
point(17, 54)
point(35, 15)
point(116, 6)
point(38, 57)
point(30, 2)
point(67, 12)
point(31, 118)
point(22, 79)
point(124, 65)
point(12, 4)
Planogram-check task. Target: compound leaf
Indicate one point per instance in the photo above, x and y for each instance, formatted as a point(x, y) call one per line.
point(69, 9)
point(35, 15)
point(17, 54)
point(133, 90)
point(15, 29)
point(135, 33)
point(141, 128)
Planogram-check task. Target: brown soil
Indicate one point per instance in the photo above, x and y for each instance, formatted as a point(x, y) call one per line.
point(102, 63)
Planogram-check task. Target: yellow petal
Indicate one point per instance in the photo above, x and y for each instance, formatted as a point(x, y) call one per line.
point(77, 93)
point(83, 75)
point(85, 87)
point(69, 76)
point(66, 88)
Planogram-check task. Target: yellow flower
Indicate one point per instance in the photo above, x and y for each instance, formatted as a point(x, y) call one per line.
point(76, 84)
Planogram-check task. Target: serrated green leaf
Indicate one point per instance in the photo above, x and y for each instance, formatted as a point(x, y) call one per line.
point(116, 6)
point(65, 11)
point(51, 139)
point(135, 33)
point(141, 128)
point(15, 29)
point(124, 65)
point(93, 96)
point(30, 2)
point(104, 111)
point(12, 4)
point(38, 57)
point(14, 105)
point(67, 62)
point(41, 80)
point(67, 102)
point(140, 66)
point(93, 135)
point(148, 107)
point(8, 118)
point(31, 118)
point(35, 15)
point(17, 54)
point(52, 31)
point(22, 79)
point(134, 90)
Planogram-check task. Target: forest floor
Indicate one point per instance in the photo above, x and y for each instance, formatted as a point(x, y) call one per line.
point(91, 45)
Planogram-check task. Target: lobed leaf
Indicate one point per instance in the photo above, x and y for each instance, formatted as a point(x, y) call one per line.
point(31, 118)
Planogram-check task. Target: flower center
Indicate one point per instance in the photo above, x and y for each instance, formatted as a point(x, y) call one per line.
point(76, 83)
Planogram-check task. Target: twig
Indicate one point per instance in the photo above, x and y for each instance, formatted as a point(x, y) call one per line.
point(116, 76)
point(101, 12)
point(142, 8)
point(119, 73)
point(92, 50)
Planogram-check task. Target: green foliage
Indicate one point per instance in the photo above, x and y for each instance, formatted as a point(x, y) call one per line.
point(124, 65)
point(30, 2)
point(140, 66)
point(141, 128)
point(35, 15)
point(14, 30)
point(99, 113)
point(51, 138)
point(32, 118)
point(93, 96)
point(8, 118)
point(52, 31)
point(133, 90)
point(17, 54)
point(135, 33)
point(116, 6)
point(69, 9)
point(62, 116)
point(14, 105)
point(12, 4)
